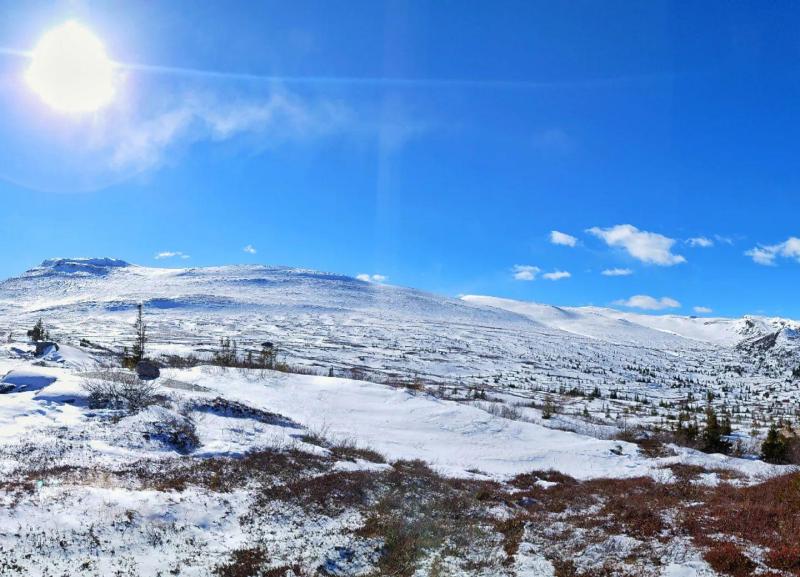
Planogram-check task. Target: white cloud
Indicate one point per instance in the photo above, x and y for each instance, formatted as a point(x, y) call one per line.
point(378, 278)
point(703, 310)
point(556, 275)
point(171, 254)
point(145, 141)
point(700, 242)
point(766, 255)
point(648, 303)
point(525, 271)
point(648, 247)
point(553, 140)
point(250, 249)
point(562, 238)
point(617, 272)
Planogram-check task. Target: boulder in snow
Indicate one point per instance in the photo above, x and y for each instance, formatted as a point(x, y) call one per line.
point(147, 370)
point(45, 348)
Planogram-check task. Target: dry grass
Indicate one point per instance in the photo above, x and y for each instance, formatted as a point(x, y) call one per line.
point(415, 515)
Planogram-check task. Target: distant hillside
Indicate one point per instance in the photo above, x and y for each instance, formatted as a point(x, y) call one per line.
point(325, 320)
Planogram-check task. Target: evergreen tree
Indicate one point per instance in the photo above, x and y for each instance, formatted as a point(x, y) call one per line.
point(141, 336)
point(712, 434)
point(774, 448)
point(38, 332)
point(267, 356)
point(227, 355)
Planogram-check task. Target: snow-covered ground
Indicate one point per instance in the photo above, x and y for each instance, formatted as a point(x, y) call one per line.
point(47, 425)
point(100, 491)
point(519, 351)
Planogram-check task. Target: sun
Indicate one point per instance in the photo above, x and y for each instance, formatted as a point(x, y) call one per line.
point(70, 69)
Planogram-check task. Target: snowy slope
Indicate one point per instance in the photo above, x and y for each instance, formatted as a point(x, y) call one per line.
point(325, 321)
point(89, 474)
point(620, 326)
point(595, 323)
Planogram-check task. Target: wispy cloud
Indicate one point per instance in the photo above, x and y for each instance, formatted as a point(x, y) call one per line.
point(171, 254)
point(143, 143)
point(703, 310)
point(648, 303)
point(554, 140)
point(617, 272)
point(700, 242)
point(648, 247)
point(556, 275)
point(525, 272)
point(562, 238)
point(767, 254)
point(378, 278)
point(250, 249)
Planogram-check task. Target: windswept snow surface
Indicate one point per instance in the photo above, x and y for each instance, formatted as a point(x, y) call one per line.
point(456, 438)
point(632, 328)
point(326, 320)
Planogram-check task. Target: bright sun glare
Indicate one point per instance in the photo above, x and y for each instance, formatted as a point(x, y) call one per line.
point(70, 69)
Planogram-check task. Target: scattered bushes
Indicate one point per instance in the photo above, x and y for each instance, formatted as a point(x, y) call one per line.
point(228, 356)
point(170, 428)
point(502, 410)
point(119, 389)
point(549, 409)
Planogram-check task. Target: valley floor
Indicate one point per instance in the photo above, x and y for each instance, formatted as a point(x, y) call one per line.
point(240, 472)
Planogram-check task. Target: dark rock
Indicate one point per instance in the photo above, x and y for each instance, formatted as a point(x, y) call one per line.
point(147, 370)
point(44, 347)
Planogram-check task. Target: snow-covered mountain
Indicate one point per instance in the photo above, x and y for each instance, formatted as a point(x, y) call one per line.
point(626, 327)
point(329, 320)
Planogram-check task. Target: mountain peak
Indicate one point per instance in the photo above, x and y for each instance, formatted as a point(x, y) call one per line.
point(83, 264)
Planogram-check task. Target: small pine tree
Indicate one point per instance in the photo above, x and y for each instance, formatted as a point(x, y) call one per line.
point(726, 428)
point(548, 409)
point(39, 332)
point(712, 434)
point(140, 327)
point(227, 355)
point(267, 356)
point(774, 448)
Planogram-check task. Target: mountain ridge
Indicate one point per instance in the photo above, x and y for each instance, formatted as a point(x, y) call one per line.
point(322, 320)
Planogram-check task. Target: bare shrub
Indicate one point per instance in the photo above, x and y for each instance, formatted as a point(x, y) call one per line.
point(180, 361)
point(653, 448)
point(343, 448)
point(177, 431)
point(119, 389)
point(502, 410)
point(351, 450)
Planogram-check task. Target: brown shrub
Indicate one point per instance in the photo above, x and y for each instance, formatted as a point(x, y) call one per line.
point(512, 531)
point(785, 558)
point(727, 558)
point(251, 562)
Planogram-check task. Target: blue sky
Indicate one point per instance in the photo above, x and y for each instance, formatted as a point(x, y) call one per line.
point(437, 144)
